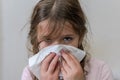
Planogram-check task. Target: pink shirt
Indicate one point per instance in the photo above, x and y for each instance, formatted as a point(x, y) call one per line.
point(98, 70)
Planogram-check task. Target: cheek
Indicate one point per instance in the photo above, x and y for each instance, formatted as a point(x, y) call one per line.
point(42, 45)
point(74, 43)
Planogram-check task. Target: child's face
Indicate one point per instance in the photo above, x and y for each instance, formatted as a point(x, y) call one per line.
point(67, 36)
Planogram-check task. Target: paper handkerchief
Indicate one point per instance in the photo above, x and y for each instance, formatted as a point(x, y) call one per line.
point(34, 61)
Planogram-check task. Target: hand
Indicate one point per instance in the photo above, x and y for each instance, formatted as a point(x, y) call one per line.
point(50, 67)
point(71, 68)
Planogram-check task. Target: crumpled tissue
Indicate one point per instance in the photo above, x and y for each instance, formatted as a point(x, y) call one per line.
point(34, 61)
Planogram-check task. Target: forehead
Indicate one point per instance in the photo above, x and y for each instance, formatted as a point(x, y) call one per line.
point(44, 28)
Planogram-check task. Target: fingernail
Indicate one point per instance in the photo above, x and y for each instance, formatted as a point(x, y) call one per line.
point(52, 53)
point(65, 51)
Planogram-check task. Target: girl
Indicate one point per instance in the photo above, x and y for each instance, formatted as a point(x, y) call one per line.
point(62, 22)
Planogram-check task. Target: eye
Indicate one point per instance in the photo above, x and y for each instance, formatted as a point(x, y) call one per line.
point(48, 40)
point(67, 39)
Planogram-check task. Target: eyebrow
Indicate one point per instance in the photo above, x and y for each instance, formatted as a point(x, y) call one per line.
point(41, 38)
point(45, 36)
point(68, 35)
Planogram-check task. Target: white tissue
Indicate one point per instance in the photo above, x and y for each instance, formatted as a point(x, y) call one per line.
point(34, 61)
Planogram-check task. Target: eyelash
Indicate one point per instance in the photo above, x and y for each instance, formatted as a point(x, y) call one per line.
point(68, 38)
point(48, 40)
point(65, 39)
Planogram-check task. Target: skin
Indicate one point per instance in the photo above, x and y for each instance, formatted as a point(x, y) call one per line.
point(50, 66)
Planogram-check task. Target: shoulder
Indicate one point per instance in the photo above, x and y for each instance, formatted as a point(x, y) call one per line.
point(99, 64)
point(99, 70)
point(96, 62)
point(27, 75)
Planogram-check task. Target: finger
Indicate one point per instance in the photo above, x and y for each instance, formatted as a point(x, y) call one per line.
point(76, 62)
point(67, 57)
point(57, 70)
point(45, 63)
point(65, 66)
point(53, 64)
point(63, 71)
point(73, 58)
